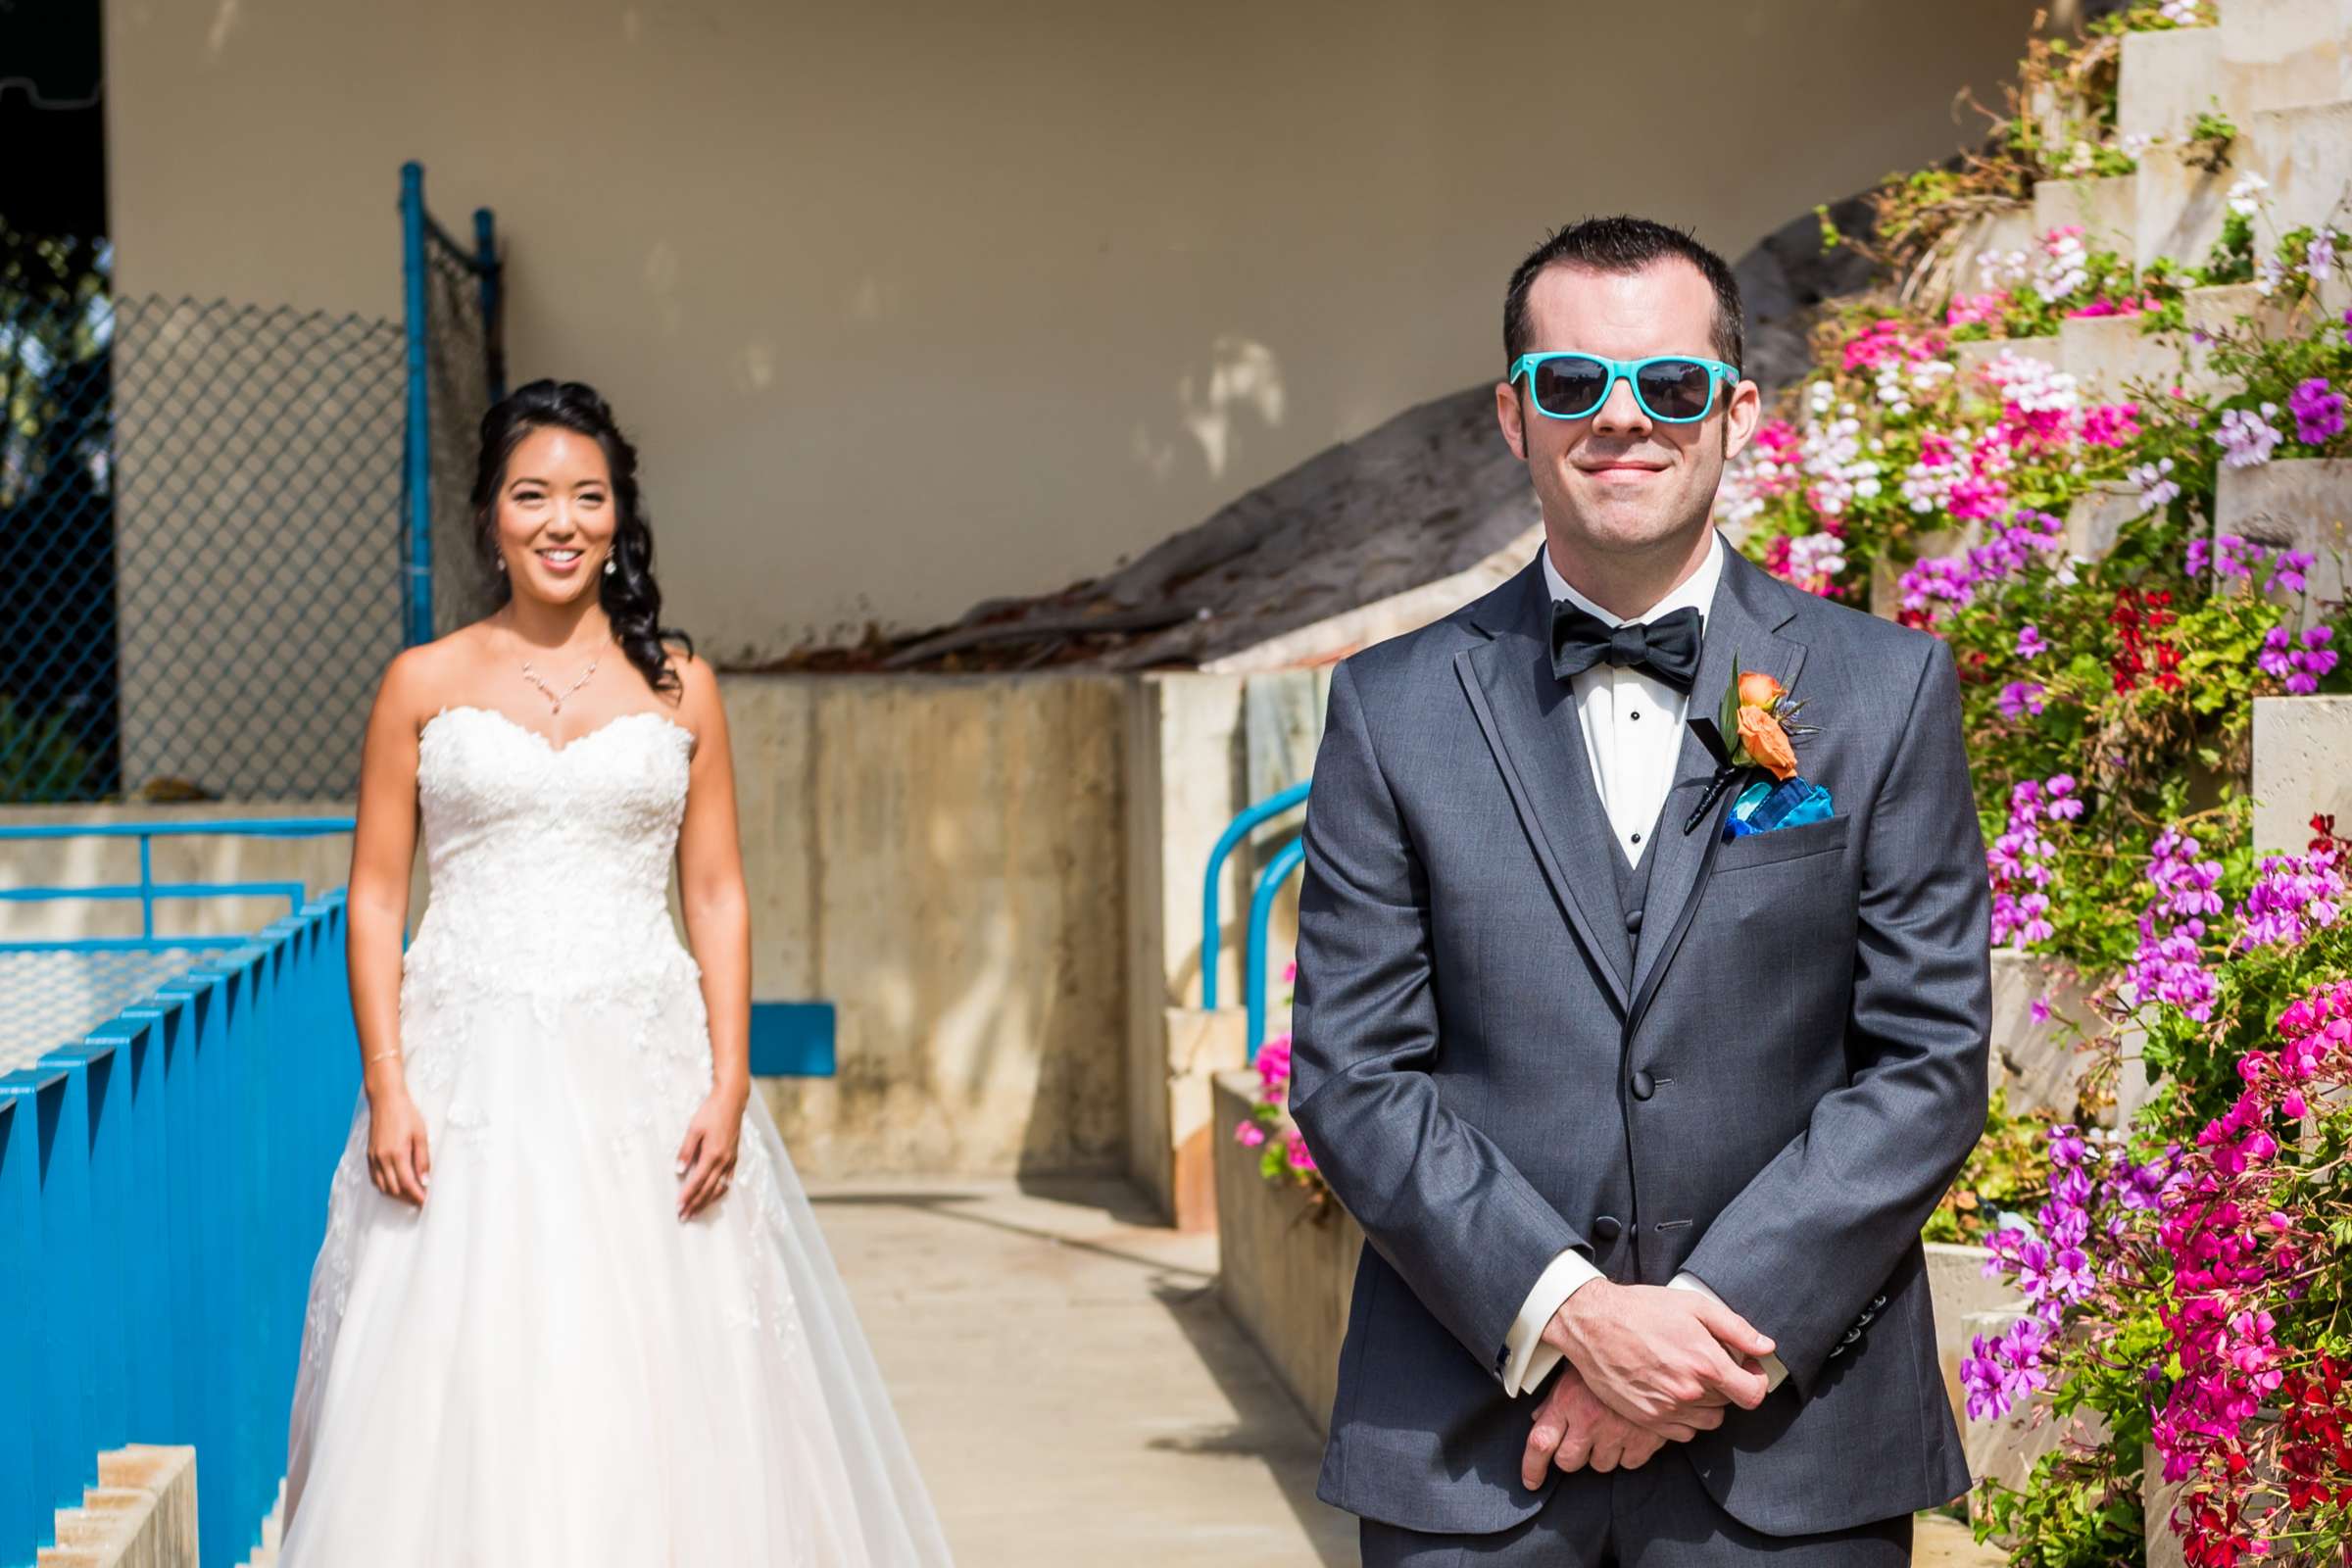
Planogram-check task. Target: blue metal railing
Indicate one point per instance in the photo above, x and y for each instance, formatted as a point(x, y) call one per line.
point(1261, 907)
point(160, 1183)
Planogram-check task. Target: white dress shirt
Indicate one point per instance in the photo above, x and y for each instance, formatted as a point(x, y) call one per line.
point(1633, 729)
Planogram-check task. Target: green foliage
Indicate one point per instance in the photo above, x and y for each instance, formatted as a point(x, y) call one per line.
point(39, 761)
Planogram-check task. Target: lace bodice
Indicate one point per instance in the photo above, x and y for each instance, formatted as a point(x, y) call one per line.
point(549, 864)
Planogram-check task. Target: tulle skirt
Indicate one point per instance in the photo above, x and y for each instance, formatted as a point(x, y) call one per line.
point(544, 1365)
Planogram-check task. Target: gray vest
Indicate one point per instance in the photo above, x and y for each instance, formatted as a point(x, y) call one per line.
point(1632, 883)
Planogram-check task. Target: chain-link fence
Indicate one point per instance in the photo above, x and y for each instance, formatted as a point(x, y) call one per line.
point(218, 522)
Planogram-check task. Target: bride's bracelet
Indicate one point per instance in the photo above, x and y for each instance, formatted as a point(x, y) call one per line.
point(393, 1050)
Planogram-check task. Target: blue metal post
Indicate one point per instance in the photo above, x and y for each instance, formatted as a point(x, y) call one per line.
point(485, 263)
point(417, 472)
point(1272, 806)
point(1261, 908)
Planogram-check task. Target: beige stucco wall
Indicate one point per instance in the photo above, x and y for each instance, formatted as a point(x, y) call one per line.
point(912, 305)
point(942, 860)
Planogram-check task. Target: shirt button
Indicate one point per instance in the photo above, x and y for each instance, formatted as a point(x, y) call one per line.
point(1637, 714)
point(1636, 838)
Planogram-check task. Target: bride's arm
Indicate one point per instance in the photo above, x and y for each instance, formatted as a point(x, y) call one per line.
point(382, 848)
point(718, 911)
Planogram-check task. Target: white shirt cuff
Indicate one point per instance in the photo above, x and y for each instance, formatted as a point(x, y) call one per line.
point(1774, 1371)
point(1531, 1360)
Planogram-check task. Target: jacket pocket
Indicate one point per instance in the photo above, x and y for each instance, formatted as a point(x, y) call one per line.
point(1782, 844)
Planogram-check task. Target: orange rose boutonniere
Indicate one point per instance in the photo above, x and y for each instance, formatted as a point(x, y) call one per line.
point(1754, 713)
point(1754, 730)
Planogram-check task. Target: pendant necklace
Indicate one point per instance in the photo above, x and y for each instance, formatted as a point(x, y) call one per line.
point(556, 697)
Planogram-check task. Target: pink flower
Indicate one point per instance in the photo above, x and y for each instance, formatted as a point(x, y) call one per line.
point(1248, 1134)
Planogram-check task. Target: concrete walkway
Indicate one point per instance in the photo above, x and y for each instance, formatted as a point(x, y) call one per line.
point(1074, 1391)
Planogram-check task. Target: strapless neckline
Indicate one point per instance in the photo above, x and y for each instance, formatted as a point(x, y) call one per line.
point(553, 749)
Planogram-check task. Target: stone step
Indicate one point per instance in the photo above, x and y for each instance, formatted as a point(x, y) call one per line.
point(2167, 78)
point(143, 1510)
point(2306, 154)
point(2297, 503)
point(1995, 233)
point(2300, 744)
point(2108, 355)
point(2276, 54)
point(2178, 205)
point(2106, 209)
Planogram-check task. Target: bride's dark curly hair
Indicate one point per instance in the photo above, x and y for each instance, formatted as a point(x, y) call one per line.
point(632, 600)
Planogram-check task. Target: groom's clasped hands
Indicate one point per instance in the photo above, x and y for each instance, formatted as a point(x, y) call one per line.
point(1641, 1367)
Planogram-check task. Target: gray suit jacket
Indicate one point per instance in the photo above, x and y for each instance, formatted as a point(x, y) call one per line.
point(1769, 1083)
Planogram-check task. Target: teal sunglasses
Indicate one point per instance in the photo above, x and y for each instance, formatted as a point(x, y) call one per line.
point(1672, 388)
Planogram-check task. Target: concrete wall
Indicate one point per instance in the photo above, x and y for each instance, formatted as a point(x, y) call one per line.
point(943, 859)
point(912, 305)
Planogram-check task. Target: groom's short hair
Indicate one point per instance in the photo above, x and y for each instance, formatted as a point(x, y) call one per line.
point(1623, 244)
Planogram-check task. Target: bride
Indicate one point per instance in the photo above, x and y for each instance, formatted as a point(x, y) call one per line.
point(572, 1307)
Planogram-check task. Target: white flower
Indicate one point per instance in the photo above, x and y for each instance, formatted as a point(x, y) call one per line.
point(2318, 257)
point(2033, 384)
point(1815, 555)
point(1999, 269)
point(2269, 272)
point(2136, 144)
point(2180, 12)
point(2245, 197)
point(2156, 487)
point(2065, 269)
point(2246, 439)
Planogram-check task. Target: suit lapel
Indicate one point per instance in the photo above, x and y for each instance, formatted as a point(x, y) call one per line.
point(1744, 620)
point(1529, 717)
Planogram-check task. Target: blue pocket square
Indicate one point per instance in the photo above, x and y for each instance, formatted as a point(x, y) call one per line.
point(1764, 807)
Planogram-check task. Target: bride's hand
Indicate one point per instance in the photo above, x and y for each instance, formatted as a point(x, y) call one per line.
point(707, 1159)
point(398, 1161)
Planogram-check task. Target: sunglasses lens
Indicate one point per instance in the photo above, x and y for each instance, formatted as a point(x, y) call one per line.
point(1676, 389)
point(1569, 389)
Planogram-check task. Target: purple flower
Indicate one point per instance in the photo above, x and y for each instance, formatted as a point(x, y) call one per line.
point(2030, 644)
point(2064, 804)
point(2020, 697)
point(2287, 571)
point(2039, 1009)
point(2200, 556)
point(2299, 662)
point(2237, 557)
point(2319, 411)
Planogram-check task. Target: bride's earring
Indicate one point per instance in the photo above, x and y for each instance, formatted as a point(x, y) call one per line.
point(502, 565)
point(611, 566)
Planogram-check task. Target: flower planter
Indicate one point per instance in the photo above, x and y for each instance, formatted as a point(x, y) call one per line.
point(1286, 1269)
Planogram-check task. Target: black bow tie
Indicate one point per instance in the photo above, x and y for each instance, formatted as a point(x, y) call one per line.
point(1666, 648)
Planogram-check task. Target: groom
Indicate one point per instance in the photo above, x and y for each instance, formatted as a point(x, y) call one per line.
point(1641, 1122)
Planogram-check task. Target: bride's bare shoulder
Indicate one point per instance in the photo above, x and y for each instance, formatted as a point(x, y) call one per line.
point(421, 681)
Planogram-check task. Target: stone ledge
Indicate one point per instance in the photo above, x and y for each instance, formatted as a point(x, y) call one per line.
point(2301, 749)
point(141, 1514)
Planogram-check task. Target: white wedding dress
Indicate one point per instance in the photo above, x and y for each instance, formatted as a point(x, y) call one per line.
point(544, 1365)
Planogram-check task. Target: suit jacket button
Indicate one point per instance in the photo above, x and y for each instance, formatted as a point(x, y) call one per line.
point(1645, 1085)
point(1633, 920)
point(1608, 1227)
